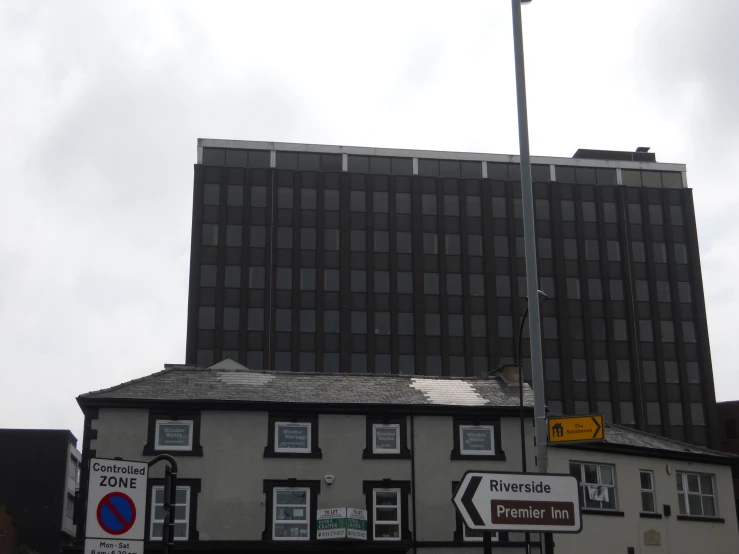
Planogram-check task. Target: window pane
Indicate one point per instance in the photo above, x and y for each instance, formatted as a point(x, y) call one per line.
point(308, 238)
point(688, 331)
point(258, 197)
point(358, 240)
point(568, 210)
point(433, 325)
point(637, 251)
point(330, 199)
point(307, 321)
point(283, 320)
point(358, 201)
point(503, 285)
point(284, 237)
point(647, 502)
point(255, 319)
point(660, 252)
point(452, 244)
point(428, 204)
point(331, 321)
point(573, 288)
point(382, 241)
point(211, 195)
point(231, 319)
point(405, 324)
point(308, 199)
point(359, 322)
point(358, 280)
point(284, 280)
point(681, 253)
point(456, 325)
point(570, 246)
point(430, 243)
point(331, 280)
point(210, 235)
point(331, 239)
point(614, 251)
point(382, 281)
point(382, 323)
point(307, 279)
point(477, 285)
point(431, 283)
point(405, 282)
point(454, 284)
point(233, 235)
point(451, 205)
point(473, 206)
point(588, 211)
point(379, 202)
point(402, 202)
point(404, 242)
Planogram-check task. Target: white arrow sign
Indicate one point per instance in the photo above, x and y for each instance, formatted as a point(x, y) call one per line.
point(519, 502)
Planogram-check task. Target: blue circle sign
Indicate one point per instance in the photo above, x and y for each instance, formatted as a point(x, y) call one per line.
point(116, 513)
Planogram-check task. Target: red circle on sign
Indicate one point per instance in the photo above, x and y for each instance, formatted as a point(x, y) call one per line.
point(110, 518)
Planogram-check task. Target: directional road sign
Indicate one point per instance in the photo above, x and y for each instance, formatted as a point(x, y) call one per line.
point(580, 428)
point(116, 500)
point(530, 502)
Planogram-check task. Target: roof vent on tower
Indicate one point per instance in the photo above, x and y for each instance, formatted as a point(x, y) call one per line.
point(641, 154)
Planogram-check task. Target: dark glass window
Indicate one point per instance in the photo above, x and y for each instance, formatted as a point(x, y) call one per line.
point(681, 253)
point(451, 205)
point(283, 320)
point(547, 286)
point(308, 238)
point(256, 277)
point(284, 280)
point(456, 325)
point(542, 208)
point(405, 324)
point(478, 326)
point(549, 327)
point(544, 248)
point(592, 250)
point(602, 372)
point(595, 289)
point(619, 330)
point(637, 251)
point(359, 322)
point(598, 328)
point(402, 202)
point(405, 282)
point(206, 317)
point(502, 285)
point(688, 331)
point(407, 364)
point(627, 413)
point(428, 204)
point(284, 197)
point(431, 283)
point(660, 252)
point(473, 206)
point(308, 199)
point(258, 197)
point(697, 416)
point(232, 278)
point(551, 369)
point(500, 245)
point(210, 234)
point(284, 237)
point(430, 243)
point(382, 323)
point(642, 291)
point(663, 291)
point(211, 195)
point(331, 321)
point(614, 251)
point(645, 330)
point(358, 201)
point(573, 288)
point(568, 210)
point(623, 371)
point(404, 242)
point(693, 371)
point(233, 235)
point(672, 375)
point(331, 200)
point(610, 215)
point(307, 321)
point(617, 289)
point(588, 211)
point(307, 279)
point(577, 331)
point(570, 249)
point(208, 275)
point(675, 410)
point(359, 363)
point(433, 324)
point(331, 279)
point(579, 370)
point(358, 240)
point(379, 202)
point(433, 365)
point(307, 362)
point(331, 239)
point(520, 247)
point(452, 244)
point(634, 214)
point(255, 319)
point(499, 208)
point(505, 326)
point(676, 215)
point(358, 280)
point(655, 214)
point(653, 414)
point(683, 291)
point(517, 209)
point(382, 281)
point(235, 195)
point(454, 284)
point(477, 285)
point(382, 241)
point(283, 361)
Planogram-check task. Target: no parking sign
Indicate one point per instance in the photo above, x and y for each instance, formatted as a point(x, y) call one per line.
point(116, 504)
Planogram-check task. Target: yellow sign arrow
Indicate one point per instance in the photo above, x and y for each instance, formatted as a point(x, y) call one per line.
point(580, 428)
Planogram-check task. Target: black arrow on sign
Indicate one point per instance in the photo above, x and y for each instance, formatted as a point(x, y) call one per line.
point(469, 493)
point(597, 427)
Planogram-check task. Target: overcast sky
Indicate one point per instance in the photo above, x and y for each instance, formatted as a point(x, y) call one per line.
point(101, 104)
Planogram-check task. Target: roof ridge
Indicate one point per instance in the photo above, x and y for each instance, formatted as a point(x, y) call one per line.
point(126, 383)
point(668, 439)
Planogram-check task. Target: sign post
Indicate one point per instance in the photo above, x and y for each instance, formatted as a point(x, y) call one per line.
point(116, 507)
point(519, 502)
point(582, 428)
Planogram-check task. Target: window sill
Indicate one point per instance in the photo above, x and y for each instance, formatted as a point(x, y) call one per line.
point(613, 513)
point(700, 518)
point(269, 454)
point(196, 451)
point(372, 456)
point(485, 457)
point(650, 515)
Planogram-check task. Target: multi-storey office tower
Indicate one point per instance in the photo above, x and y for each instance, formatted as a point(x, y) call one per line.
point(348, 259)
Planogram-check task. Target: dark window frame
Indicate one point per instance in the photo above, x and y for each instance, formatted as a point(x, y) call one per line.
point(456, 453)
point(282, 417)
point(368, 488)
point(402, 421)
point(173, 415)
point(268, 487)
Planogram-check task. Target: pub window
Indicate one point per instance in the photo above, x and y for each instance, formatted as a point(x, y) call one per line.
point(477, 440)
point(597, 485)
point(695, 494)
point(291, 436)
point(178, 433)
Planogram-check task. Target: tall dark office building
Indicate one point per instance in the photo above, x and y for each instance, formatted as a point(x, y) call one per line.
point(347, 259)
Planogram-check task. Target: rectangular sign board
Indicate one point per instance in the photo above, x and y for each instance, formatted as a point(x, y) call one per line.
point(527, 502)
point(113, 546)
point(331, 523)
point(116, 501)
point(356, 524)
point(580, 428)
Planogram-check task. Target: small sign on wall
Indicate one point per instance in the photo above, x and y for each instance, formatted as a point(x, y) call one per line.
point(341, 523)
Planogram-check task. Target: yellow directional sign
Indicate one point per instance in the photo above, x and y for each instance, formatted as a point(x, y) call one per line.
point(576, 428)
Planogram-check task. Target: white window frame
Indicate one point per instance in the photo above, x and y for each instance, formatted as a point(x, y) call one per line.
point(154, 503)
point(375, 448)
point(384, 523)
point(682, 479)
point(283, 450)
point(160, 422)
point(306, 511)
point(465, 452)
point(583, 485)
point(651, 491)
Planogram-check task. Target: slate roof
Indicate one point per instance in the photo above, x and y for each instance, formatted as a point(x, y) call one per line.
point(187, 384)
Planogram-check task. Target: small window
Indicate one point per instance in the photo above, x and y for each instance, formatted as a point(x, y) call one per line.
point(382, 281)
point(451, 205)
point(573, 288)
point(292, 438)
point(473, 206)
point(570, 249)
point(308, 199)
point(637, 251)
point(387, 514)
point(614, 251)
point(454, 284)
point(404, 242)
point(358, 241)
point(597, 485)
point(588, 211)
point(430, 243)
point(386, 438)
point(357, 200)
point(284, 278)
point(402, 203)
point(291, 516)
point(477, 440)
point(379, 202)
point(331, 280)
point(331, 239)
point(284, 197)
point(405, 282)
point(695, 494)
point(568, 210)
point(307, 279)
point(428, 204)
point(181, 513)
point(681, 253)
point(660, 252)
point(617, 289)
point(592, 250)
point(173, 435)
point(258, 197)
point(431, 283)
point(405, 324)
point(453, 247)
point(382, 241)
point(331, 321)
point(477, 285)
point(330, 199)
point(308, 238)
point(648, 504)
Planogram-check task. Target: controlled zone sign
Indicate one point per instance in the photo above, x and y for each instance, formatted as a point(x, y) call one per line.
point(116, 500)
point(530, 502)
